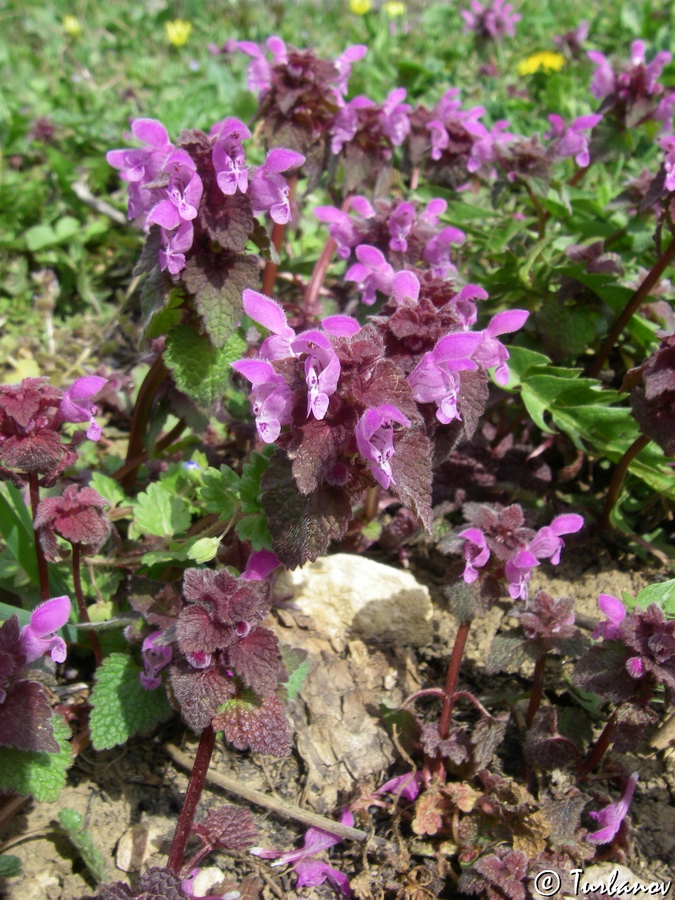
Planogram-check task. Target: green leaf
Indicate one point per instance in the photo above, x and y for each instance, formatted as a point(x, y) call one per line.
point(120, 706)
point(18, 538)
point(220, 492)
point(199, 369)
point(110, 489)
point(298, 666)
point(10, 866)
point(168, 316)
point(663, 594)
point(254, 528)
point(204, 549)
point(217, 281)
point(41, 774)
point(160, 513)
point(72, 823)
point(251, 476)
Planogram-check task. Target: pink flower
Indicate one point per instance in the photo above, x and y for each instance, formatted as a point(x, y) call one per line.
point(312, 872)
point(268, 190)
point(476, 553)
point(568, 140)
point(491, 352)
point(372, 272)
point(615, 611)
point(613, 815)
point(39, 637)
point(375, 440)
point(435, 379)
point(77, 406)
point(155, 658)
point(546, 544)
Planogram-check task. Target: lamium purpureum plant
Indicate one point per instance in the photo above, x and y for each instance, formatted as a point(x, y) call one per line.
point(354, 414)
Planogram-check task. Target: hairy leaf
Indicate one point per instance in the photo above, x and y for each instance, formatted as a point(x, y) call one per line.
point(259, 725)
point(200, 693)
point(38, 773)
point(199, 369)
point(120, 706)
point(255, 659)
point(73, 824)
point(302, 526)
point(10, 866)
point(230, 827)
point(217, 281)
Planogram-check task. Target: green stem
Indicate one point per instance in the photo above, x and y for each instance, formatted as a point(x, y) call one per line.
point(43, 572)
point(81, 604)
point(187, 814)
point(638, 444)
point(651, 279)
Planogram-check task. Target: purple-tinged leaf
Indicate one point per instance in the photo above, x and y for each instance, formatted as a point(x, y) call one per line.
point(217, 280)
point(255, 659)
point(261, 726)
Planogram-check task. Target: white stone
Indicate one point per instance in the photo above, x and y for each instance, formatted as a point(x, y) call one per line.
point(349, 596)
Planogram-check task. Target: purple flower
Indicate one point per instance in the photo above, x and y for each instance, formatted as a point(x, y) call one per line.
point(490, 22)
point(342, 228)
point(39, 637)
point(271, 398)
point(322, 370)
point(141, 166)
point(372, 272)
point(613, 815)
point(155, 658)
point(394, 117)
point(268, 190)
point(175, 244)
point(435, 379)
point(346, 122)
point(268, 313)
point(406, 786)
point(400, 225)
point(375, 440)
point(546, 544)
point(603, 78)
point(568, 139)
point(437, 250)
point(312, 873)
point(476, 553)
point(491, 352)
point(229, 159)
point(344, 65)
point(183, 193)
point(668, 144)
point(260, 565)
point(77, 406)
point(615, 611)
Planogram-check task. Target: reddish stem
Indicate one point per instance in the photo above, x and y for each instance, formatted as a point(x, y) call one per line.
point(319, 274)
point(537, 690)
point(599, 749)
point(43, 572)
point(187, 814)
point(452, 677)
point(619, 474)
point(278, 232)
point(139, 422)
point(652, 278)
point(81, 605)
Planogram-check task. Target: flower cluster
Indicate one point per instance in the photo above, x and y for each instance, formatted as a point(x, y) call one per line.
point(32, 415)
point(364, 403)
point(407, 235)
point(77, 516)
point(202, 188)
point(633, 93)
point(513, 549)
point(299, 94)
point(224, 667)
point(491, 23)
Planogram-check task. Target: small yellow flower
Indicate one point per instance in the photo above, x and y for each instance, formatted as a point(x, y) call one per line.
point(360, 7)
point(71, 26)
point(178, 31)
point(544, 61)
point(394, 8)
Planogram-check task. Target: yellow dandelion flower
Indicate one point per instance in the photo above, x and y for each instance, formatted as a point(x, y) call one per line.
point(360, 7)
point(71, 26)
point(544, 61)
point(394, 8)
point(178, 31)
